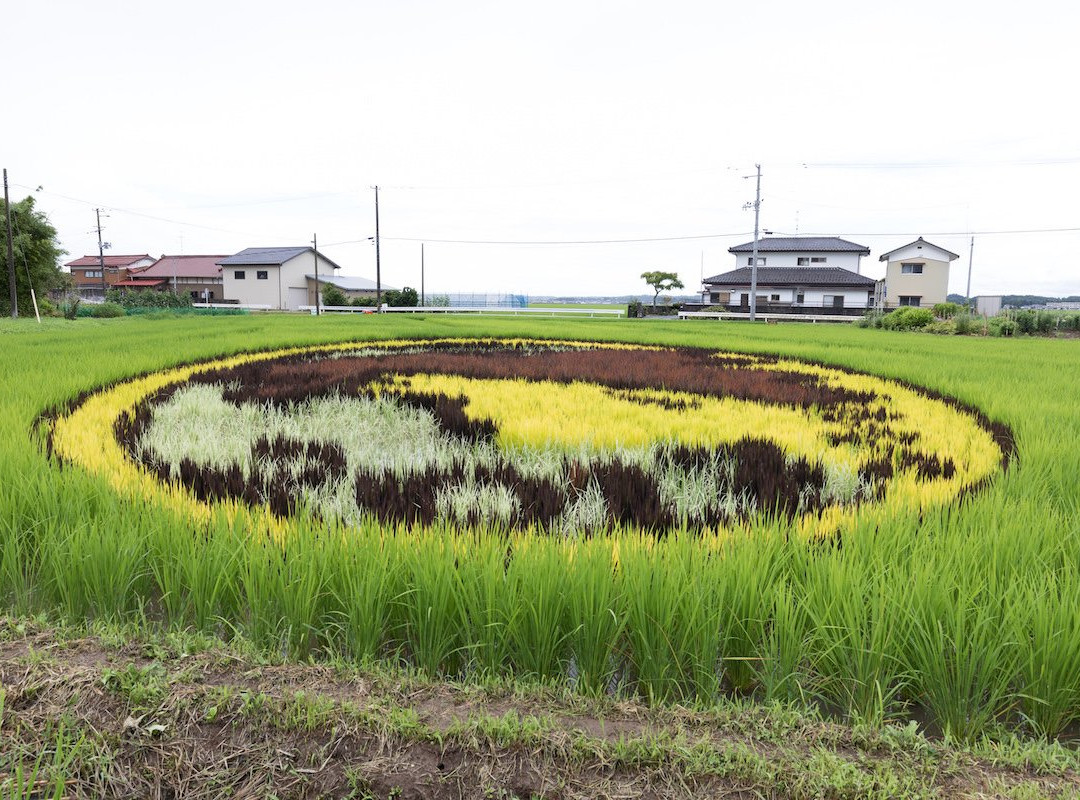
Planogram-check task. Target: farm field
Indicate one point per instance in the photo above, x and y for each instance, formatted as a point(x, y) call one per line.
point(911, 559)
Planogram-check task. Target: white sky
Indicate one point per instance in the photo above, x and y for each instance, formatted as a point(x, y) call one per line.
point(208, 127)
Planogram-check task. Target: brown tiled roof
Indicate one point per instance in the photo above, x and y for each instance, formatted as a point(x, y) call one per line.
point(183, 267)
point(110, 261)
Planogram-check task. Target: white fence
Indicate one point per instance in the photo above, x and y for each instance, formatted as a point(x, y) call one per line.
point(767, 317)
point(553, 312)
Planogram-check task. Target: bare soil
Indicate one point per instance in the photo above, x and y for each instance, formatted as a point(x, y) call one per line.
point(160, 719)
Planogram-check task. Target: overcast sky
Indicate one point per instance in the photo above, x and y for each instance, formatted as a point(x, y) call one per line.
point(208, 127)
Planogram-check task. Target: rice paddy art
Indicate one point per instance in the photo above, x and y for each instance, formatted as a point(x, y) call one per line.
point(561, 438)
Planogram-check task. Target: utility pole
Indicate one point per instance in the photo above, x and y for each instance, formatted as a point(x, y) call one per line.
point(971, 257)
point(101, 254)
point(10, 252)
point(378, 263)
point(422, 303)
point(753, 256)
point(315, 248)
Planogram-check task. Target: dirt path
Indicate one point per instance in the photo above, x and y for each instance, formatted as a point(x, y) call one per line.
point(176, 718)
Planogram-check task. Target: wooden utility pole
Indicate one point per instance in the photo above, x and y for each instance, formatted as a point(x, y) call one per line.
point(422, 303)
point(315, 248)
point(10, 252)
point(101, 255)
point(753, 257)
point(378, 264)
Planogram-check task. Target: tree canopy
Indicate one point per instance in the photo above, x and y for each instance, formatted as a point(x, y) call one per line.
point(37, 255)
point(661, 282)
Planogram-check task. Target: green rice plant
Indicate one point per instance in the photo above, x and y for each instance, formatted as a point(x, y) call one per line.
point(489, 604)
point(672, 623)
point(432, 603)
point(1045, 619)
point(784, 651)
point(261, 617)
point(857, 627)
point(597, 616)
point(364, 581)
point(960, 656)
point(537, 632)
point(743, 576)
point(303, 579)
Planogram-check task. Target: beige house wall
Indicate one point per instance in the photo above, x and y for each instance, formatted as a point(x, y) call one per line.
point(932, 285)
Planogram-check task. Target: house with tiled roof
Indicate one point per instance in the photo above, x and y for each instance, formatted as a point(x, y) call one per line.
point(273, 276)
point(90, 281)
point(796, 274)
point(196, 276)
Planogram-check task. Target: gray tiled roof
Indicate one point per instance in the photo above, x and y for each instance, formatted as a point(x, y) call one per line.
point(268, 256)
point(792, 276)
point(801, 244)
point(350, 283)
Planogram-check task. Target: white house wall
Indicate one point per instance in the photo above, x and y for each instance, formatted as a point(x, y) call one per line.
point(250, 290)
point(848, 261)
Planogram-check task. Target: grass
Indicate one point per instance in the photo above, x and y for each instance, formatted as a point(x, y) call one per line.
point(963, 614)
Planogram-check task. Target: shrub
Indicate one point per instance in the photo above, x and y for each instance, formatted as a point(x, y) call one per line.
point(634, 309)
point(439, 301)
point(1001, 326)
point(947, 310)
point(943, 327)
point(1026, 321)
point(871, 319)
point(71, 310)
point(108, 310)
point(1045, 322)
point(148, 298)
point(333, 296)
point(362, 302)
point(964, 323)
point(907, 318)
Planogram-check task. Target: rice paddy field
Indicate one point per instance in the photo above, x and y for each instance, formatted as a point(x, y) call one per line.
point(878, 530)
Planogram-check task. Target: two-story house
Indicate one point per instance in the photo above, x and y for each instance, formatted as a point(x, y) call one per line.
point(796, 274)
point(917, 274)
point(87, 274)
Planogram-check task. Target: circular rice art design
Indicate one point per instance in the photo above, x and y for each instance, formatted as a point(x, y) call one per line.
point(558, 437)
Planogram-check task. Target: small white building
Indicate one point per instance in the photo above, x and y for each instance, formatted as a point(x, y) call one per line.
point(273, 276)
point(917, 274)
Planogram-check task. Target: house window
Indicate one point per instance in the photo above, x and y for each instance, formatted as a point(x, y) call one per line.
point(714, 297)
point(804, 261)
point(774, 297)
point(760, 261)
point(262, 274)
point(800, 297)
point(92, 273)
point(910, 300)
point(239, 275)
point(194, 296)
point(911, 269)
point(817, 259)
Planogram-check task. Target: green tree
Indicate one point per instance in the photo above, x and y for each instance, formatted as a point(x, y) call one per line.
point(333, 296)
point(661, 282)
point(37, 256)
point(407, 297)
